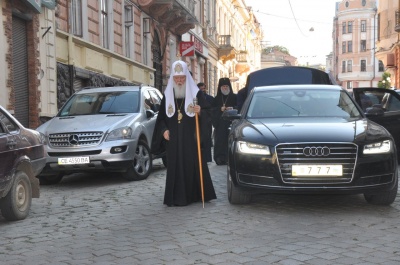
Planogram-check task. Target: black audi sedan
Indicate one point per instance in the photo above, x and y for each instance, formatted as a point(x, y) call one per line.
point(312, 139)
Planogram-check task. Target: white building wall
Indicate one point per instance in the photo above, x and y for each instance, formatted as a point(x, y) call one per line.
point(47, 76)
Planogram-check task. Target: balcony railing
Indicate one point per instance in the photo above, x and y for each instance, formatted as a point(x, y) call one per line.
point(242, 57)
point(224, 40)
point(397, 22)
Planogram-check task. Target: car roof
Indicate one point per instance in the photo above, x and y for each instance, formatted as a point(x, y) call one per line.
point(286, 75)
point(298, 87)
point(108, 89)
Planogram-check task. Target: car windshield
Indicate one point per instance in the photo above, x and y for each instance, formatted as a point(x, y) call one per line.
point(313, 103)
point(113, 102)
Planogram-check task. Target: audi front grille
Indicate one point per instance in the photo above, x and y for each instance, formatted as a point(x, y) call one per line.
point(75, 139)
point(317, 154)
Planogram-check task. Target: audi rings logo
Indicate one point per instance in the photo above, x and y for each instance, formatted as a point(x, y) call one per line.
point(73, 139)
point(316, 151)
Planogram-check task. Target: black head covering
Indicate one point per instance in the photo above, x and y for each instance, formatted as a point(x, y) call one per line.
point(230, 99)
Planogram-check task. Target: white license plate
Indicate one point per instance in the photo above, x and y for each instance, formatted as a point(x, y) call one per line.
point(316, 170)
point(73, 160)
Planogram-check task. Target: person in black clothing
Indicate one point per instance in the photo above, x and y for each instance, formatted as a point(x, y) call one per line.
point(176, 125)
point(224, 100)
point(207, 143)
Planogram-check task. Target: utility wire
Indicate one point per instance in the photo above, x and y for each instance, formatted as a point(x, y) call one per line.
point(296, 19)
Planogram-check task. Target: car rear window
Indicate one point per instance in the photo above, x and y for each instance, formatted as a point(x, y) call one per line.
point(112, 102)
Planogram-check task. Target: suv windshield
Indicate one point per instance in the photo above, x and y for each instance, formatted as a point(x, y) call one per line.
point(102, 103)
point(288, 103)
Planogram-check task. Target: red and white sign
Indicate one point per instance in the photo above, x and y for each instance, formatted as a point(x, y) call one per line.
point(186, 48)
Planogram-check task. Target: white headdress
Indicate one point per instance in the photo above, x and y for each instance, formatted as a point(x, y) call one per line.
point(180, 68)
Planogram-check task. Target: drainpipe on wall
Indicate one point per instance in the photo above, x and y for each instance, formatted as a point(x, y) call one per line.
point(374, 49)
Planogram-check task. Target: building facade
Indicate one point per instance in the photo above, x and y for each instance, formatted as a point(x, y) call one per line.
point(55, 48)
point(354, 36)
point(388, 44)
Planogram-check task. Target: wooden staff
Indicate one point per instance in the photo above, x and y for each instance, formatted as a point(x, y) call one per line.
point(199, 152)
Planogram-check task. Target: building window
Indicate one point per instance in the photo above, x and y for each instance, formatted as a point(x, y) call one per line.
point(146, 32)
point(344, 47)
point(349, 46)
point(76, 17)
point(381, 66)
point(349, 27)
point(349, 85)
point(104, 23)
point(363, 25)
point(349, 66)
point(128, 29)
point(363, 65)
point(344, 28)
point(363, 45)
point(343, 66)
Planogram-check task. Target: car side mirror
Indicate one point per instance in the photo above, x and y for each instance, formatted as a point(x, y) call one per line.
point(374, 111)
point(150, 114)
point(231, 115)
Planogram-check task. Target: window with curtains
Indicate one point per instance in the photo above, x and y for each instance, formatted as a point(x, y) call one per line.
point(104, 23)
point(343, 66)
point(349, 66)
point(363, 65)
point(363, 45)
point(350, 46)
point(363, 25)
point(128, 14)
point(349, 27)
point(76, 17)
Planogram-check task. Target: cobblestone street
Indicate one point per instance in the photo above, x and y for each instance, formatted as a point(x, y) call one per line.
point(102, 219)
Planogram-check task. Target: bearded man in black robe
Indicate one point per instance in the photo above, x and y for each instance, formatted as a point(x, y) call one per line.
point(176, 125)
point(224, 100)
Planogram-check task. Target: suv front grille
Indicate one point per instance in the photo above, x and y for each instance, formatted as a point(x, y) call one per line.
point(339, 154)
point(75, 139)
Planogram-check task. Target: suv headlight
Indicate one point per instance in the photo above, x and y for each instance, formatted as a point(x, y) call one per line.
point(42, 138)
point(378, 148)
point(250, 148)
point(120, 134)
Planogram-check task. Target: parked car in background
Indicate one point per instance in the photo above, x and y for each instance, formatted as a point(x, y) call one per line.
point(283, 75)
point(22, 157)
point(312, 139)
point(105, 129)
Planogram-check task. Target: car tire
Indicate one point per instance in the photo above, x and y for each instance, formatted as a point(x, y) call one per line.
point(50, 179)
point(142, 163)
point(235, 195)
point(383, 198)
point(164, 161)
point(17, 203)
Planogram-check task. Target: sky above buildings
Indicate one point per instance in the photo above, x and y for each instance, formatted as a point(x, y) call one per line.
point(304, 27)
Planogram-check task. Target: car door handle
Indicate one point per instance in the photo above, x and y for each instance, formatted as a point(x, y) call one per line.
point(11, 143)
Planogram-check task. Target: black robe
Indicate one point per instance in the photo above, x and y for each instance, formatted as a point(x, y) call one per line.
point(221, 126)
point(182, 185)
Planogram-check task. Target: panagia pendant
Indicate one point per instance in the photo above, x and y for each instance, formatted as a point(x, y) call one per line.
point(180, 116)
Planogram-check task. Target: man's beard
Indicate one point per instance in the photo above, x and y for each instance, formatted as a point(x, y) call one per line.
point(179, 91)
point(225, 92)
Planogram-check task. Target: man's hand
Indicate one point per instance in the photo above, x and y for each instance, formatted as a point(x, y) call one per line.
point(166, 135)
point(196, 108)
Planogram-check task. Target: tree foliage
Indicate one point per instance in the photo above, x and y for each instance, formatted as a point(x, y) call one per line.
point(385, 82)
point(276, 48)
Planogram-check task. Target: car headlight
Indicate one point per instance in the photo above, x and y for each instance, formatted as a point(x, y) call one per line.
point(42, 138)
point(120, 134)
point(378, 148)
point(255, 149)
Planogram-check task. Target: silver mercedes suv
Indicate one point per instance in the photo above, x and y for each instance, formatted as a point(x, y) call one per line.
point(102, 129)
